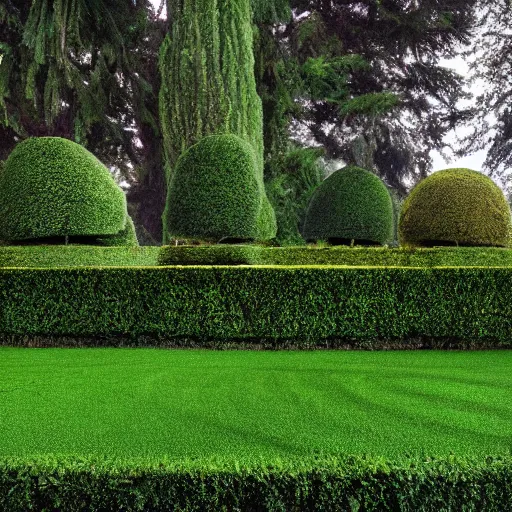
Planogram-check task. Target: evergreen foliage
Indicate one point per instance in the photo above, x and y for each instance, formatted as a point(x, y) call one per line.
point(208, 85)
point(455, 206)
point(292, 179)
point(351, 205)
point(239, 254)
point(207, 69)
point(490, 116)
point(53, 187)
point(125, 238)
point(53, 256)
point(271, 11)
point(215, 192)
point(368, 71)
point(329, 483)
point(68, 70)
point(86, 70)
point(357, 256)
point(306, 306)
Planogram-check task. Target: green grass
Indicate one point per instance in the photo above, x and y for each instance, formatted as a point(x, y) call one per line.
point(245, 405)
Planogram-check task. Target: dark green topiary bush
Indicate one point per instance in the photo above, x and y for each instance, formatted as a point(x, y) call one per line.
point(457, 207)
point(350, 205)
point(214, 193)
point(52, 187)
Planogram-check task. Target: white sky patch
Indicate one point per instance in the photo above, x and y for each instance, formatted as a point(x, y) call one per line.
point(156, 4)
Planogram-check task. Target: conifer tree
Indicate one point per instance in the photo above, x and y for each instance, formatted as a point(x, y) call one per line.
point(363, 79)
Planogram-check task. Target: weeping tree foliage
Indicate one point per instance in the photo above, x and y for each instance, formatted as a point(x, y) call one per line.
point(208, 85)
point(270, 11)
point(293, 177)
point(77, 69)
point(366, 80)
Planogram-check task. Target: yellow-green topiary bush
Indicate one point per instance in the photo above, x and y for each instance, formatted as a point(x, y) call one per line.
point(455, 207)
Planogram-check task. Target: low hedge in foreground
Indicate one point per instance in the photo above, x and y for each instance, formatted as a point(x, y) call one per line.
point(76, 256)
point(337, 483)
point(311, 255)
point(305, 304)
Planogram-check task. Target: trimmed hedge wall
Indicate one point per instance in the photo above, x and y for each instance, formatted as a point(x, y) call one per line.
point(210, 255)
point(351, 204)
point(455, 206)
point(307, 305)
point(340, 255)
point(329, 484)
point(52, 187)
point(77, 256)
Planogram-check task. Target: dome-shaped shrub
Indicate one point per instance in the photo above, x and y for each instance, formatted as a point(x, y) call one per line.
point(214, 193)
point(351, 204)
point(52, 187)
point(455, 206)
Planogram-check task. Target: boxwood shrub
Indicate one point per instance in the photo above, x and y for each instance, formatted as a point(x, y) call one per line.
point(336, 483)
point(457, 207)
point(44, 256)
point(127, 237)
point(53, 187)
point(210, 255)
point(350, 205)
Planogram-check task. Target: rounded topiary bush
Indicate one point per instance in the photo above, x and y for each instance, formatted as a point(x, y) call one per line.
point(53, 187)
point(214, 192)
point(352, 204)
point(455, 206)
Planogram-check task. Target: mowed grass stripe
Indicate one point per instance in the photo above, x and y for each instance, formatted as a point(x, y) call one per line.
point(246, 405)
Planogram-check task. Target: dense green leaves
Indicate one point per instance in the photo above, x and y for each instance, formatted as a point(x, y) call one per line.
point(350, 205)
point(53, 256)
point(456, 206)
point(326, 483)
point(292, 179)
point(215, 192)
point(127, 237)
point(333, 255)
point(365, 80)
point(306, 305)
point(52, 187)
point(208, 85)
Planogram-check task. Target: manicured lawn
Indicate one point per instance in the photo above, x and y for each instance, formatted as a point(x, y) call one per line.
point(174, 404)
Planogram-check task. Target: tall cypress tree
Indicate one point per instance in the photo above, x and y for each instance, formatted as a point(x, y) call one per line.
point(208, 84)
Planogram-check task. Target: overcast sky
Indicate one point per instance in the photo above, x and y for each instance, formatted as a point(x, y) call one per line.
point(474, 161)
